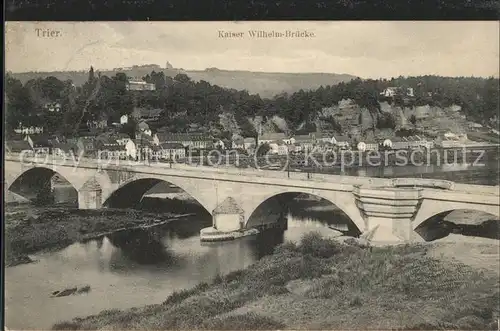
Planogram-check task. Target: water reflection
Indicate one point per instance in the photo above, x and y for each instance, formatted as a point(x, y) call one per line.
point(142, 267)
point(139, 246)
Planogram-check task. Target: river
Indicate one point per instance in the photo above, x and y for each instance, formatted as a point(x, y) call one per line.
point(137, 268)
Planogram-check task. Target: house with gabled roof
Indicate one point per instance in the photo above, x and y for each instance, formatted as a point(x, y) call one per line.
point(270, 137)
point(122, 138)
point(110, 149)
point(170, 151)
point(342, 142)
point(189, 140)
point(322, 136)
point(41, 143)
point(305, 141)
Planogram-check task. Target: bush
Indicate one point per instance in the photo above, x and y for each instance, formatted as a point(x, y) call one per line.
point(180, 296)
point(248, 321)
point(286, 248)
point(234, 276)
point(314, 244)
point(65, 326)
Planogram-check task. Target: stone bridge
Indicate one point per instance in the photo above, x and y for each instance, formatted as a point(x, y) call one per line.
point(390, 209)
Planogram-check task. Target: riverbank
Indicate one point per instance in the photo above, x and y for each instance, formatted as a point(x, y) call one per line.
point(323, 284)
point(29, 230)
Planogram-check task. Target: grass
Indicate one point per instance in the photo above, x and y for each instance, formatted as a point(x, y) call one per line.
point(345, 286)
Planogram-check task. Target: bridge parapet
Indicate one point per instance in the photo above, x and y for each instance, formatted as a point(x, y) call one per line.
point(123, 165)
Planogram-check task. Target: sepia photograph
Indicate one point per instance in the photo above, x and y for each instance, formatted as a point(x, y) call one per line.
point(338, 175)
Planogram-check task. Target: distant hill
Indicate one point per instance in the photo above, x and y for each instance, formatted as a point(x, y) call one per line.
point(262, 83)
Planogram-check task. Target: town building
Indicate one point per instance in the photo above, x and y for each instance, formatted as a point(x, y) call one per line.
point(388, 143)
point(342, 142)
point(323, 147)
point(238, 143)
point(28, 130)
point(322, 136)
point(100, 123)
point(139, 85)
point(189, 140)
point(86, 146)
point(146, 114)
point(123, 119)
point(291, 148)
point(122, 138)
point(249, 143)
point(143, 127)
point(270, 137)
point(306, 141)
point(131, 149)
point(171, 151)
point(368, 145)
point(144, 145)
point(298, 148)
point(219, 144)
point(278, 148)
point(110, 149)
point(41, 143)
point(52, 107)
point(410, 142)
point(452, 140)
point(475, 126)
point(393, 91)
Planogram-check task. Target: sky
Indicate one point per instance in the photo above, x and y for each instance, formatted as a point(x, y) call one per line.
point(367, 49)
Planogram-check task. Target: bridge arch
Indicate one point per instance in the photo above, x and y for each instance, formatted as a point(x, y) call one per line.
point(345, 204)
point(131, 192)
point(44, 169)
point(430, 209)
point(459, 221)
point(38, 178)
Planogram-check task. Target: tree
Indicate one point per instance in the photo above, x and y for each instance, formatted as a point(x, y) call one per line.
point(91, 78)
point(129, 127)
point(263, 149)
point(19, 105)
point(386, 121)
point(413, 120)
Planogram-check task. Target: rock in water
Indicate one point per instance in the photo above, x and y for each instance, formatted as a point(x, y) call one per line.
point(84, 289)
point(71, 291)
point(65, 292)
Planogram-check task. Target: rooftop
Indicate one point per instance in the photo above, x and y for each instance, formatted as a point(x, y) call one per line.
point(17, 145)
point(146, 112)
point(228, 206)
point(342, 138)
point(175, 137)
point(272, 136)
point(171, 146)
point(302, 137)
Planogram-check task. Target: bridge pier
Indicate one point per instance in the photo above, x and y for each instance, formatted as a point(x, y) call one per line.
point(228, 216)
point(90, 195)
point(389, 212)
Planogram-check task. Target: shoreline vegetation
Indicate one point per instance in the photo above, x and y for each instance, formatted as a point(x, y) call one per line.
point(58, 227)
point(320, 283)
